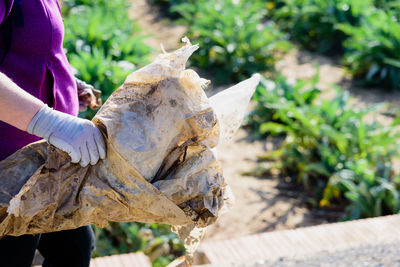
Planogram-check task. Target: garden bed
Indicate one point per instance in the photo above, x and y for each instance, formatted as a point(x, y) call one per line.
point(268, 204)
point(231, 52)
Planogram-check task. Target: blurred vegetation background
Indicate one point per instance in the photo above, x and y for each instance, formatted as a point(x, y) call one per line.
point(340, 154)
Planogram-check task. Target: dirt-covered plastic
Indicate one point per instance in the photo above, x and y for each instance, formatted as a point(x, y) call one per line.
point(161, 131)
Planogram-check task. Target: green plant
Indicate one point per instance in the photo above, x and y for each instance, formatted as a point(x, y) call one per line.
point(100, 71)
point(102, 46)
point(335, 151)
point(270, 95)
point(373, 49)
point(155, 240)
point(88, 27)
point(313, 23)
point(67, 5)
point(234, 39)
point(387, 4)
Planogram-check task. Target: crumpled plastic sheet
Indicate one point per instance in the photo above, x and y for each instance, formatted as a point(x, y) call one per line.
point(161, 132)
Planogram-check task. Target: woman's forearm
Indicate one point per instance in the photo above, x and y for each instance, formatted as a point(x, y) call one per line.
point(17, 107)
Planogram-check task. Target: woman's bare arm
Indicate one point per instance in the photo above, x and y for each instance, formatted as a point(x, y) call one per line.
point(17, 107)
point(78, 137)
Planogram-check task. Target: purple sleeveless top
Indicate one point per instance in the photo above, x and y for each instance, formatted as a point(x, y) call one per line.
point(36, 62)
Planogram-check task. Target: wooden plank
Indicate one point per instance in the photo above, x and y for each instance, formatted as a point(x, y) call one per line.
point(303, 241)
point(123, 260)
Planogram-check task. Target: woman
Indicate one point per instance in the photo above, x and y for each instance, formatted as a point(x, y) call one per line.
point(38, 99)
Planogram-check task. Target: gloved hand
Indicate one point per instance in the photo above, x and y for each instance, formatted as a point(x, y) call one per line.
point(80, 138)
point(88, 96)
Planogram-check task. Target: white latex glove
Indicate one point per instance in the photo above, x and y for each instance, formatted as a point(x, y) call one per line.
point(80, 138)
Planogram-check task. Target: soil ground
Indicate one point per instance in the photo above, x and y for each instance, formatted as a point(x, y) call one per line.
point(161, 30)
point(261, 204)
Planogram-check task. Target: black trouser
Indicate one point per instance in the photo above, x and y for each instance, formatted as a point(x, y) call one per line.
point(72, 248)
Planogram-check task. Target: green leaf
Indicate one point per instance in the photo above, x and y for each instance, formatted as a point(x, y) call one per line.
point(317, 167)
point(273, 127)
point(392, 62)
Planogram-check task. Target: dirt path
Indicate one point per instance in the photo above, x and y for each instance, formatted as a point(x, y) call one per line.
point(161, 30)
point(261, 204)
point(302, 64)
